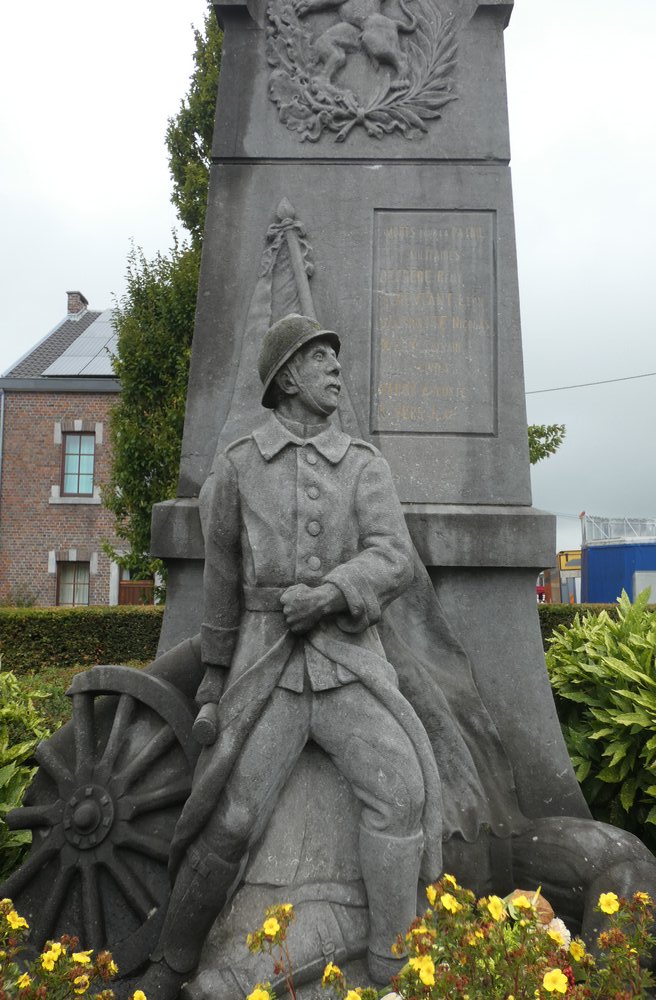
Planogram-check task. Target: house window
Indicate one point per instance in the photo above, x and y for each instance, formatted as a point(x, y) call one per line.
point(72, 583)
point(77, 464)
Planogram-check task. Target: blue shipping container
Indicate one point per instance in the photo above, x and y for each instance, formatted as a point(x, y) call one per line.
point(608, 570)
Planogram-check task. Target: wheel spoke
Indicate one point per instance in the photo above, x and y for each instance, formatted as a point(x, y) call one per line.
point(159, 798)
point(124, 713)
point(54, 765)
point(142, 843)
point(94, 924)
point(155, 748)
point(84, 730)
point(47, 917)
point(34, 864)
point(135, 893)
point(29, 817)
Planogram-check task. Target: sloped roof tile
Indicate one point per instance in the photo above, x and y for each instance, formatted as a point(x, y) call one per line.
point(35, 362)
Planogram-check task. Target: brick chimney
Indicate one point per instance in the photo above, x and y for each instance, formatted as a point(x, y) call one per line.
point(76, 303)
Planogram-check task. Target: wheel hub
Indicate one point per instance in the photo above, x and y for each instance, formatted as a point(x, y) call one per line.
point(88, 816)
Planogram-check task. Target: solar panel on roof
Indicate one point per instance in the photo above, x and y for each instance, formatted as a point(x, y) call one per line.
point(90, 353)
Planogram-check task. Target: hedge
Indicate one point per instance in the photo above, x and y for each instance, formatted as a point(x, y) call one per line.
point(66, 637)
point(63, 637)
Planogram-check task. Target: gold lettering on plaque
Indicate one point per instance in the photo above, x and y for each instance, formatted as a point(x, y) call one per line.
point(433, 338)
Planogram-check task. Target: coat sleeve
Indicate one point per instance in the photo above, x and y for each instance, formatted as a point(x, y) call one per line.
point(222, 598)
point(384, 566)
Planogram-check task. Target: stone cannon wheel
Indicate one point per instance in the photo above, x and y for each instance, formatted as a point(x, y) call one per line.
point(102, 809)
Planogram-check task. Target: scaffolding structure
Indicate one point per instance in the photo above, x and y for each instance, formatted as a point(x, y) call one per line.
point(617, 530)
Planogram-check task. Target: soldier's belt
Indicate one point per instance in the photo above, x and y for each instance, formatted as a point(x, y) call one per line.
point(263, 598)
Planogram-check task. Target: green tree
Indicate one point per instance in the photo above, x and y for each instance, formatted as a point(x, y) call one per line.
point(189, 134)
point(544, 440)
point(155, 322)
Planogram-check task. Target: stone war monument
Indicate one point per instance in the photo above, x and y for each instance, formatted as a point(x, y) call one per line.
point(350, 695)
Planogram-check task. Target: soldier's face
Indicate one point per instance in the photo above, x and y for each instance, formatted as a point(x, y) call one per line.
point(316, 372)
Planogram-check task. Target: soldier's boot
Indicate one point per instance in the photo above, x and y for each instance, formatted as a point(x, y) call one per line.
point(199, 894)
point(390, 870)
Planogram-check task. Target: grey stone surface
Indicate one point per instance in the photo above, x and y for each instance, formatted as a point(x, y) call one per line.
point(395, 229)
point(472, 127)
point(340, 205)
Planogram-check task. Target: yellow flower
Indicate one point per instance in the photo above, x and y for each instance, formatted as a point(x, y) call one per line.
point(15, 921)
point(112, 968)
point(80, 984)
point(330, 972)
point(451, 879)
point(259, 993)
point(140, 995)
point(286, 907)
point(521, 903)
point(577, 950)
point(450, 903)
point(557, 937)
point(48, 959)
point(425, 968)
point(352, 995)
point(431, 894)
point(555, 981)
point(608, 902)
point(56, 949)
point(270, 927)
point(23, 981)
point(495, 906)
point(81, 957)
point(422, 929)
point(642, 897)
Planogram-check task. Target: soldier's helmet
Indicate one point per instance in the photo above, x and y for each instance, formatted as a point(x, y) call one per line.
point(281, 342)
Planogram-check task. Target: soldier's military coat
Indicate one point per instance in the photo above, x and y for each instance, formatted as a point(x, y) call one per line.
point(287, 510)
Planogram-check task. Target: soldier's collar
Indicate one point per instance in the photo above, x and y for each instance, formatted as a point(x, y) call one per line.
point(273, 436)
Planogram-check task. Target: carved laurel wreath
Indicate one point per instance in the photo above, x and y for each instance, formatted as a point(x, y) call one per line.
point(309, 105)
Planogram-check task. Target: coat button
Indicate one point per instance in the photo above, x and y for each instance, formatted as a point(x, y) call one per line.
point(314, 562)
point(313, 492)
point(314, 527)
point(310, 456)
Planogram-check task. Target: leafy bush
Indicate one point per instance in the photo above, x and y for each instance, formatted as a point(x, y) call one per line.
point(60, 972)
point(491, 949)
point(553, 615)
point(34, 637)
point(603, 673)
point(22, 727)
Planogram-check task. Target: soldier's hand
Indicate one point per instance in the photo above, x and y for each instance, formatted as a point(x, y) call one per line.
point(304, 606)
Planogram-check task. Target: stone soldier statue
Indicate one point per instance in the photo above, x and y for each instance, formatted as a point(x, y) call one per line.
point(306, 545)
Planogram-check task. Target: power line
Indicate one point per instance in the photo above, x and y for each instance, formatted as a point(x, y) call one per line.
point(584, 385)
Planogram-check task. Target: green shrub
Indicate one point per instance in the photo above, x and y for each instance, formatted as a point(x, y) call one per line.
point(34, 637)
point(553, 615)
point(22, 727)
point(603, 673)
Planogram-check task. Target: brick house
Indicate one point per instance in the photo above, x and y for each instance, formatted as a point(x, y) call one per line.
point(54, 455)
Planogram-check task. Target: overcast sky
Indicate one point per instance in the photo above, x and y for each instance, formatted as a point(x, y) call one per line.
point(87, 91)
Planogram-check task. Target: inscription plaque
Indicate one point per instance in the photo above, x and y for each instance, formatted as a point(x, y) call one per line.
point(434, 331)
